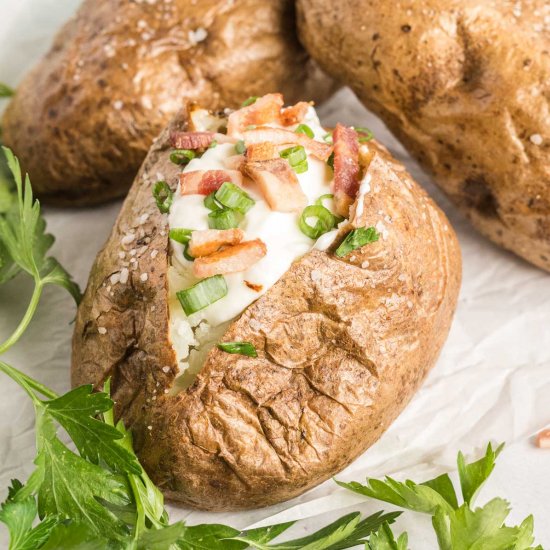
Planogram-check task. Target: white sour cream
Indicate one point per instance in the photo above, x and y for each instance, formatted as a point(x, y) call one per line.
point(278, 230)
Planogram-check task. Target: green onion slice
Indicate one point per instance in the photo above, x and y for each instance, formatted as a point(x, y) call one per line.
point(324, 223)
point(213, 144)
point(329, 196)
point(305, 129)
point(226, 218)
point(330, 160)
point(252, 99)
point(202, 294)
point(182, 156)
point(327, 138)
point(364, 134)
point(232, 196)
point(163, 196)
point(240, 147)
point(186, 254)
point(5, 90)
point(180, 235)
point(296, 157)
point(242, 348)
point(356, 239)
point(211, 203)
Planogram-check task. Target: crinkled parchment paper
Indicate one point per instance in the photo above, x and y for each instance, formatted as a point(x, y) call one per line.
point(492, 381)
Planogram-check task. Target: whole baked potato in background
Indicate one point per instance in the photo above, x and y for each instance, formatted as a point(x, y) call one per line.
point(466, 86)
point(342, 343)
point(83, 119)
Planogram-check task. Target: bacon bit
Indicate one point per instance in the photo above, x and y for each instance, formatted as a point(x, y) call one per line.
point(264, 110)
point(208, 241)
point(278, 183)
point(204, 182)
point(196, 140)
point(543, 439)
point(346, 167)
point(253, 286)
point(261, 151)
point(233, 259)
point(295, 114)
point(278, 136)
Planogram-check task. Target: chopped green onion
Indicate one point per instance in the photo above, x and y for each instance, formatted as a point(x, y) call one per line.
point(186, 254)
point(181, 236)
point(328, 196)
point(356, 239)
point(163, 196)
point(296, 157)
point(242, 348)
point(330, 160)
point(202, 294)
point(252, 99)
point(226, 218)
point(240, 147)
point(182, 156)
point(364, 134)
point(234, 197)
point(305, 129)
point(325, 221)
point(211, 203)
point(6, 91)
point(327, 138)
point(213, 144)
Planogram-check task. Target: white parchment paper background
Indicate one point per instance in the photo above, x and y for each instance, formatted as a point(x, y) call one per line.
point(492, 381)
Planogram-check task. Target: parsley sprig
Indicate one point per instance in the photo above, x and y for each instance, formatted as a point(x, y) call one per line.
point(457, 526)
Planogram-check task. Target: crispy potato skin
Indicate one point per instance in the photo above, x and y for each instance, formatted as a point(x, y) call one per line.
point(343, 344)
point(465, 85)
point(83, 119)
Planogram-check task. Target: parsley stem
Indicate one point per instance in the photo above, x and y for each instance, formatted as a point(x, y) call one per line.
point(17, 333)
point(27, 383)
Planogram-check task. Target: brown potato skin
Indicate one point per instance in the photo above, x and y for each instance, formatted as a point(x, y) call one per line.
point(343, 344)
point(82, 146)
point(464, 85)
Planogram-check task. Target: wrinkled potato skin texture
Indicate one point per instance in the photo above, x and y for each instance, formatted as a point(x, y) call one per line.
point(464, 84)
point(342, 348)
point(83, 119)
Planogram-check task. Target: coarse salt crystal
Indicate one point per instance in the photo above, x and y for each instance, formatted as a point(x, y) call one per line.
point(115, 278)
point(143, 277)
point(166, 369)
point(198, 35)
point(536, 139)
point(127, 239)
point(118, 104)
point(316, 275)
point(154, 253)
point(124, 275)
point(365, 264)
point(102, 330)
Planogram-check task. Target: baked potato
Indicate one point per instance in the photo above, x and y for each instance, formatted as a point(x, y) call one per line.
point(465, 85)
point(268, 327)
point(83, 119)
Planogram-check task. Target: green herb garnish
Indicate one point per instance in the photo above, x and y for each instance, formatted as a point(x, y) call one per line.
point(240, 147)
point(356, 239)
point(324, 221)
point(232, 196)
point(182, 156)
point(296, 157)
point(252, 99)
point(180, 235)
point(364, 134)
point(211, 203)
point(305, 129)
point(202, 294)
point(163, 196)
point(226, 218)
point(241, 348)
point(6, 91)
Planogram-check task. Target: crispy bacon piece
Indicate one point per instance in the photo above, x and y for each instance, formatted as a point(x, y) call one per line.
point(208, 241)
point(261, 151)
point(233, 259)
point(346, 167)
point(253, 286)
point(196, 140)
point(278, 183)
point(294, 114)
point(204, 182)
point(264, 110)
point(543, 439)
point(278, 136)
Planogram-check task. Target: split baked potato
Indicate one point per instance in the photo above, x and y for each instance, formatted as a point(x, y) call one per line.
point(270, 298)
point(466, 86)
point(84, 117)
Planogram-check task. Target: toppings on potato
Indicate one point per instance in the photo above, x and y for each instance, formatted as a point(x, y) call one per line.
point(346, 167)
point(233, 259)
point(204, 182)
point(208, 241)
